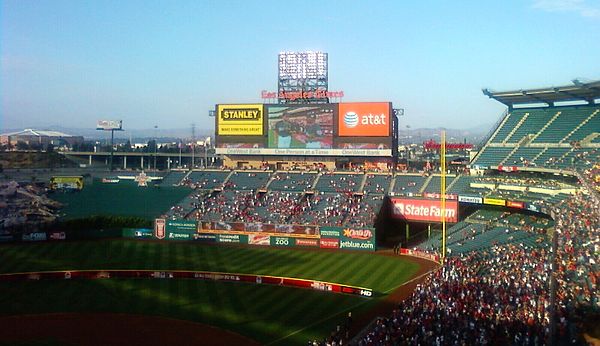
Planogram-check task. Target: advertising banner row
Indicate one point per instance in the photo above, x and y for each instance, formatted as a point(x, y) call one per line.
point(502, 203)
point(198, 275)
point(263, 234)
point(430, 210)
point(309, 129)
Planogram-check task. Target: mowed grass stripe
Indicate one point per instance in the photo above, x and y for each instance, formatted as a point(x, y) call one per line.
point(283, 311)
point(342, 267)
point(260, 261)
point(335, 267)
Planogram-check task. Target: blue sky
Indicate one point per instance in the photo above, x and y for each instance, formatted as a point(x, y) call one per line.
point(166, 63)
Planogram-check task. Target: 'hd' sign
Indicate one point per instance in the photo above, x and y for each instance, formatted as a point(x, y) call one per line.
point(424, 209)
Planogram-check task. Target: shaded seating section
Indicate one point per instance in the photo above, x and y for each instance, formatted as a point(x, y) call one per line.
point(522, 157)
point(363, 210)
point(489, 227)
point(289, 181)
point(551, 157)
point(186, 206)
point(207, 180)
point(544, 137)
point(227, 205)
point(173, 178)
point(277, 207)
point(328, 209)
point(591, 125)
point(406, 184)
point(492, 156)
point(581, 158)
point(334, 182)
point(247, 180)
point(435, 184)
point(512, 119)
point(563, 124)
point(536, 119)
point(377, 183)
point(460, 184)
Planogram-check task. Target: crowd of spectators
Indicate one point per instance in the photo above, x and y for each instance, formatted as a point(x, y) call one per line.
point(328, 209)
point(296, 181)
point(501, 295)
point(339, 182)
point(363, 210)
point(527, 182)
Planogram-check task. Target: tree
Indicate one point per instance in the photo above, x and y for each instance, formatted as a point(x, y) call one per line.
point(151, 147)
point(22, 145)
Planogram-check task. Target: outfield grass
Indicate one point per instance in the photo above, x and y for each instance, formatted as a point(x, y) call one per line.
point(264, 313)
point(122, 199)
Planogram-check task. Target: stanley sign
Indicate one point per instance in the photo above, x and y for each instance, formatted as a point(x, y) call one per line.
point(240, 120)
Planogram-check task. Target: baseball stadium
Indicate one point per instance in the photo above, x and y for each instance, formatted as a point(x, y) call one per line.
point(311, 227)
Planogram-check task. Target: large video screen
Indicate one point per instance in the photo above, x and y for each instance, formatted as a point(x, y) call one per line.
point(364, 119)
point(240, 120)
point(300, 126)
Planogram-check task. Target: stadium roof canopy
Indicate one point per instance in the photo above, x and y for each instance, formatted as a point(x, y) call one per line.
point(579, 91)
point(37, 133)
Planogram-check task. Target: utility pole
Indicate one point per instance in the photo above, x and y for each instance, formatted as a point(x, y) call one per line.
point(193, 144)
point(155, 146)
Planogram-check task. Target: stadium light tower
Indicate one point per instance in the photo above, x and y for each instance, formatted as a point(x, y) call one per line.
point(304, 74)
point(112, 126)
point(155, 145)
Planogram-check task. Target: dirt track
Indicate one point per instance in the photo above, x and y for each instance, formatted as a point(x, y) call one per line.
point(113, 329)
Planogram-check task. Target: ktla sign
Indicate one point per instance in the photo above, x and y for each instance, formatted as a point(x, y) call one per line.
point(364, 119)
point(424, 210)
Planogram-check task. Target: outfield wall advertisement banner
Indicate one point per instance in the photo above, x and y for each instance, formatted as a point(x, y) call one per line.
point(514, 204)
point(494, 201)
point(159, 229)
point(257, 227)
point(181, 226)
point(240, 120)
point(424, 209)
point(140, 233)
point(369, 119)
point(470, 199)
point(255, 233)
point(420, 254)
point(347, 238)
point(198, 275)
point(329, 243)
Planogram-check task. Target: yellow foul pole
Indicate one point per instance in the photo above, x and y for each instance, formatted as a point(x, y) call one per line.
point(443, 191)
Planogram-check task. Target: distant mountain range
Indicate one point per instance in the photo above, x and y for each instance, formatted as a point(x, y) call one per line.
point(92, 134)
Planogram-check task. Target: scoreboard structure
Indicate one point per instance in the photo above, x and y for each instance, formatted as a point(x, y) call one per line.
point(327, 132)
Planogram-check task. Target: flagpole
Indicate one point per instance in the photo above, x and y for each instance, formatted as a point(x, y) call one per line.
point(443, 192)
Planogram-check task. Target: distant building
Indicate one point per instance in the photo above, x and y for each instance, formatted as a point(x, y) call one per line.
point(40, 138)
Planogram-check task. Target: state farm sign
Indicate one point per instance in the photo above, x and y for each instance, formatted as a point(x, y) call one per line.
point(424, 209)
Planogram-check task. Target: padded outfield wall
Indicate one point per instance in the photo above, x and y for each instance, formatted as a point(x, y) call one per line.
point(262, 234)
